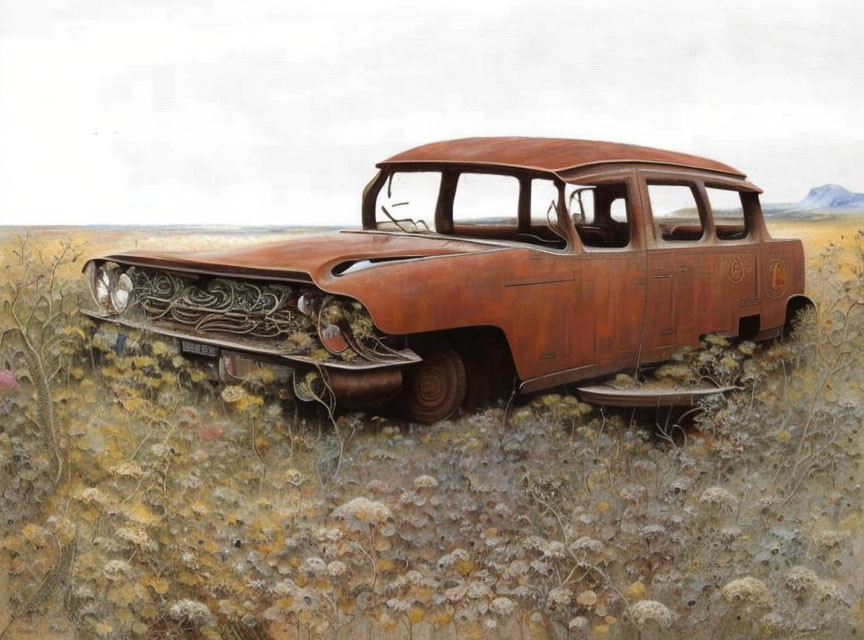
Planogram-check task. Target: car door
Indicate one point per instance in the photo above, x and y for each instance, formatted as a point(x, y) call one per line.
point(736, 264)
point(607, 319)
point(679, 265)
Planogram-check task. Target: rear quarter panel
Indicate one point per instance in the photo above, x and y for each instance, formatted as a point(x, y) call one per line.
point(781, 276)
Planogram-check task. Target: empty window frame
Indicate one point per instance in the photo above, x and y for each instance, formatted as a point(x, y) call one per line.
point(675, 211)
point(544, 203)
point(727, 210)
point(407, 201)
point(600, 214)
point(486, 199)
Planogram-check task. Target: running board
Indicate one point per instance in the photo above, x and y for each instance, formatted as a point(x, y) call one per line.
point(647, 398)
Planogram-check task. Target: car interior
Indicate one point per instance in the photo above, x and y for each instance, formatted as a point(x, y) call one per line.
point(601, 215)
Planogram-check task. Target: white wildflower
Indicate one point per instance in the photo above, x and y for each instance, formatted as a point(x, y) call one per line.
point(716, 498)
point(192, 611)
point(457, 555)
point(748, 591)
point(136, 536)
point(579, 623)
point(502, 606)
point(364, 510)
point(314, 566)
point(553, 549)
point(92, 495)
point(425, 482)
point(829, 538)
point(633, 493)
point(650, 610)
point(587, 544)
point(560, 597)
point(399, 605)
point(127, 469)
point(330, 534)
point(117, 569)
point(477, 590)
point(336, 568)
point(285, 587)
point(652, 531)
point(829, 590)
point(800, 579)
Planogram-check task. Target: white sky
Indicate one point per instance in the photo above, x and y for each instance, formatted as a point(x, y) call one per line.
point(274, 112)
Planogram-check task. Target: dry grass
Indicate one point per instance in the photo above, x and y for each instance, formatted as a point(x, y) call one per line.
point(181, 512)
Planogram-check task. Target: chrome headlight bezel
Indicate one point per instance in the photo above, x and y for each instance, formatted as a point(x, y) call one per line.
point(101, 287)
point(121, 292)
point(110, 286)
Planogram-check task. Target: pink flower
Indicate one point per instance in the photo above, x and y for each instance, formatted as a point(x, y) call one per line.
point(211, 432)
point(8, 382)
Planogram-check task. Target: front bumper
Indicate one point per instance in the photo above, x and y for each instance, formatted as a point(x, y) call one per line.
point(255, 348)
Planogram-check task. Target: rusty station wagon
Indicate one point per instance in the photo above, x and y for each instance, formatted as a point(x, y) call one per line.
point(483, 265)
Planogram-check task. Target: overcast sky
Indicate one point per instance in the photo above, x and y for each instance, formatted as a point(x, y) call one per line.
point(275, 112)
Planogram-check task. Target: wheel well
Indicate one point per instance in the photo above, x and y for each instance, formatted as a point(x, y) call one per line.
point(795, 306)
point(462, 338)
point(488, 359)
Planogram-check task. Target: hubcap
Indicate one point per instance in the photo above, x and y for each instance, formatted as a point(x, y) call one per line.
point(438, 387)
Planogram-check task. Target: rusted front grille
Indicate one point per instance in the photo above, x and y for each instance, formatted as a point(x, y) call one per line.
point(219, 305)
point(299, 320)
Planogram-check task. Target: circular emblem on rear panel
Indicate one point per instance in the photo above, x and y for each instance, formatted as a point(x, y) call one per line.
point(736, 271)
point(776, 278)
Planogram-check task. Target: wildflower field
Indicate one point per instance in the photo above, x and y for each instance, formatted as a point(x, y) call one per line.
point(139, 498)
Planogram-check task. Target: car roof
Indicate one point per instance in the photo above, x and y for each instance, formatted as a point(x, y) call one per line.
point(549, 154)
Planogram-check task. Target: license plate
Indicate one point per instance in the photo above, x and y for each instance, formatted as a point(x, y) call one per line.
point(200, 349)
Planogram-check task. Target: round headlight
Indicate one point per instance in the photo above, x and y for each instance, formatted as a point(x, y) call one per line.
point(121, 293)
point(304, 305)
point(332, 338)
point(102, 287)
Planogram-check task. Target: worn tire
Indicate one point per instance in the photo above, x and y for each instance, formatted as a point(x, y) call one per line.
point(437, 387)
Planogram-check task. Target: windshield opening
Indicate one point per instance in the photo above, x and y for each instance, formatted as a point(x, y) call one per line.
point(407, 201)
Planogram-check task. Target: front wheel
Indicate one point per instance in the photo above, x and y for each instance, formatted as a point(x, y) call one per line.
point(437, 387)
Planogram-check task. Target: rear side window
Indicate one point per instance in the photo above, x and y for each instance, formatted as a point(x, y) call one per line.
point(728, 213)
point(675, 212)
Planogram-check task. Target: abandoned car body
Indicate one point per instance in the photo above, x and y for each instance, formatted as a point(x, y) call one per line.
point(481, 263)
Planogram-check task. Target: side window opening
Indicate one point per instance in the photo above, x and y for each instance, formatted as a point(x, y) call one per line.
point(600, 214)
point(544, 194)
point(727, 209)
point(543, 227)
point(675, 211)
point(486, 199)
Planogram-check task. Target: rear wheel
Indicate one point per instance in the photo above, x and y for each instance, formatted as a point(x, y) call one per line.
point(437, 387)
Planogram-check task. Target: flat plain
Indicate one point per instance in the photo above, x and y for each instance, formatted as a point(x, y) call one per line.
point(140, 500)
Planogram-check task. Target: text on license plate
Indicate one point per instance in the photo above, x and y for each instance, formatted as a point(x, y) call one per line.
point(200, 349)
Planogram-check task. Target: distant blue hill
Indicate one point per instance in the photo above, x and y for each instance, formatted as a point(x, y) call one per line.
point(829, 198)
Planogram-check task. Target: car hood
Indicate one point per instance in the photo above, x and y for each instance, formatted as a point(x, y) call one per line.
point(307, 257)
